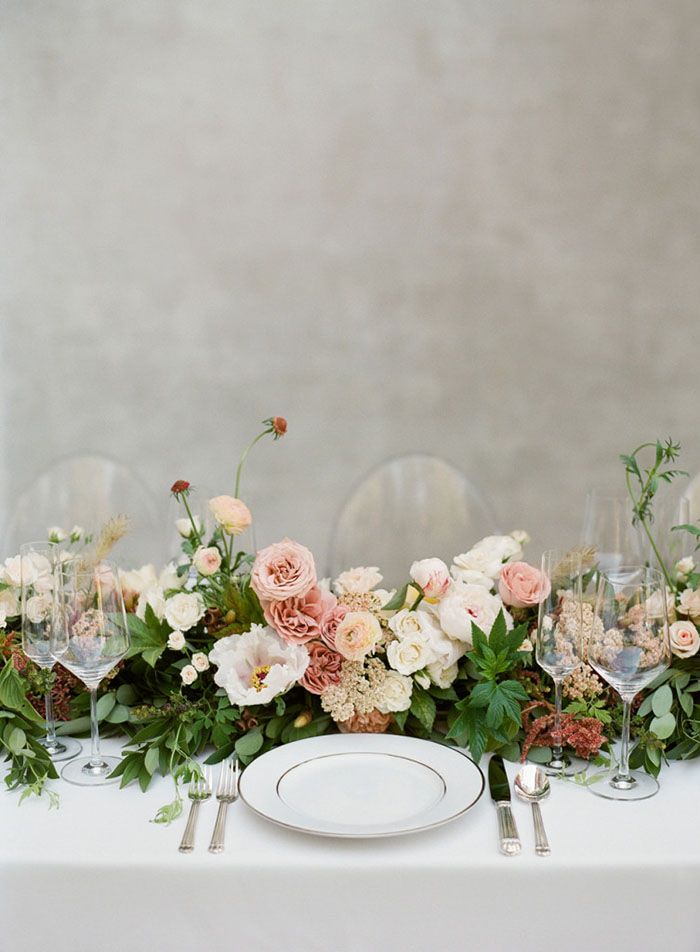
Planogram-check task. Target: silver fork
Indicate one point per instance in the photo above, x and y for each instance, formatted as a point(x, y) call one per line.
point(199, 791)
point(226, 792)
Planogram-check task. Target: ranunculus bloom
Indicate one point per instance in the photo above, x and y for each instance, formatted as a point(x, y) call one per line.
point(358, 581)
point(283, 570)
point(521, 585)
point(297, 620)
point(253, 668)
point(207, 561)
point(179, 486)
point(357, 635)
point(685, 639)
point(432, 575)
point(332, 617)
point(279, 425)
point(323, 670)
point(232, 514)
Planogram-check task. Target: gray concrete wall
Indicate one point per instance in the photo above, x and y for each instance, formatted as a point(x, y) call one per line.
point(462, 227)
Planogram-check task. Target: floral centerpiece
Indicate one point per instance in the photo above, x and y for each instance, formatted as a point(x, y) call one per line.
point(236, 652)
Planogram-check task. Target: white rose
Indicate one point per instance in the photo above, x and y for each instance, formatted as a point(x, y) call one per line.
point(56, 534)
point(409, 655)
point(489, 555)
point(183, 611)
point(689, 603)
point(394, 694)
point(684, 567)
point(358, 581)
point(38, 608)
point(154, 597)
point(176, 640)
point(471, 577)
point(685, 639)
point(441, 675)
point(136, 581)
point(200, 661)
point(467, 605)
point(406, 624)
point(432, 575)
point(207, 561)
point(188, 674)
point(655, 605)
point(19, 570)
point(184, 527)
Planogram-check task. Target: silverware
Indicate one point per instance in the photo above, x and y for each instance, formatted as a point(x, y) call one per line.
point(199, 791)
point(509, 841)
point(226, 792)
point(532, 785)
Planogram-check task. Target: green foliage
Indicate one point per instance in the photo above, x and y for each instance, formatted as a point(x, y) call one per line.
point(20, 731)
point(489, 717)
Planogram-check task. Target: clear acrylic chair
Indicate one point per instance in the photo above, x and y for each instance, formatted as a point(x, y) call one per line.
point(410, 507)
point(87, 491)
point(692, 499)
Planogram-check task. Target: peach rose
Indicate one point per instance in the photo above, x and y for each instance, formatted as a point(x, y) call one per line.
point(685, 639)
point(297, 620)
point(283, 570)
point(329, 623)
point(357, 635)
point(521, 585)
point(232, 515)
point(323, 670)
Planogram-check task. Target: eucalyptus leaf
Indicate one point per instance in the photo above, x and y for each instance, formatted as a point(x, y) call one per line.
point(663, 726)
point(662, 700)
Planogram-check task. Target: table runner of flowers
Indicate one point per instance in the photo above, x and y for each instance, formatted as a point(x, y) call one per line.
point(236, 653)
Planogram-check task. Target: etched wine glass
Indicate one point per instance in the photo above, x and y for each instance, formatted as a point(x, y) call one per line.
point(558, 640)
point(628, 646)
point(94, 630)
point(38, 565)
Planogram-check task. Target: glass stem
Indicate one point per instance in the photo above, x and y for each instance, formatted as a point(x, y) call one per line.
point(557, 752)
point(624, 771)
point(95, 758)
point(50, 722)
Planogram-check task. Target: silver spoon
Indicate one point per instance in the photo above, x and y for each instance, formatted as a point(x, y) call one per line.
point(532, 785)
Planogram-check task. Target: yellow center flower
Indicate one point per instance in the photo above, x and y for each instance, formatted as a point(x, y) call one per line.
point(257, 677)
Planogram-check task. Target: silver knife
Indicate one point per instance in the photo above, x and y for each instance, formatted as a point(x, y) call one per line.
point(500, 794)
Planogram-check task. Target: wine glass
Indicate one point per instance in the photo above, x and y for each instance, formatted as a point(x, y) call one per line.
point(608, 527)
point(95, 636)
point(558, 641)
point(38, 561)
point(628, 646)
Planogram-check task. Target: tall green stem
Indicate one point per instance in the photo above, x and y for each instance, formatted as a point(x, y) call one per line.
point(669, 581)
point(244, 457)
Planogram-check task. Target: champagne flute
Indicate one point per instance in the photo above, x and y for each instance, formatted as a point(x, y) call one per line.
point(558, 641)
point(96, 637)
point(628, 646)
point(608, 527)
point(38, 561)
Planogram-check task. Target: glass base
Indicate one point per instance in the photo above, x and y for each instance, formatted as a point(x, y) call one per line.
point(64, 748)
point(84, 774)
point(639, 786)
point(564, 766)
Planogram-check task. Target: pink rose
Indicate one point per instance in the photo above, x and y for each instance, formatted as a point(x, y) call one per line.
point(332, 617)
point(323, 670)
point(232, 515)
point(685, 639)
point(283, 570)
point(432, 575)
point(521, 585)
point(297, 620)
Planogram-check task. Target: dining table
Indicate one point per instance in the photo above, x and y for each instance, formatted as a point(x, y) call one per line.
point(94, 872)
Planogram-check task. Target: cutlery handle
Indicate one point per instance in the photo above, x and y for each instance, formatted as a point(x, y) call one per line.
point(507, 830)
point(218, 836)
point(187, 842)
point(541, 841)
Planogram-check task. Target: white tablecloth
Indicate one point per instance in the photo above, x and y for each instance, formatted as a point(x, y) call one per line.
point(95, 874)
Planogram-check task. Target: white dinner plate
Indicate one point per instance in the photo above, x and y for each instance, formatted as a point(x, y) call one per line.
point(361, 785)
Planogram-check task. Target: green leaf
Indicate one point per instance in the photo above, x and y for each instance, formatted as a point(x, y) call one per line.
point(118, 715)
point(645, 707)
point(398, 601)
point(663, 726)
point(249, 744)
point(126, 694)
point(16, 740)
point(662, 700)
point(150, 761)
point(423, 707)
point(686, 702)
point(105, 705)
point(151, 655)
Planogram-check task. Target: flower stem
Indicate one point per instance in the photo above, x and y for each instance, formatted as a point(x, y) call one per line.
point(244, 457)
point(195, 531)
point(647, 530)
